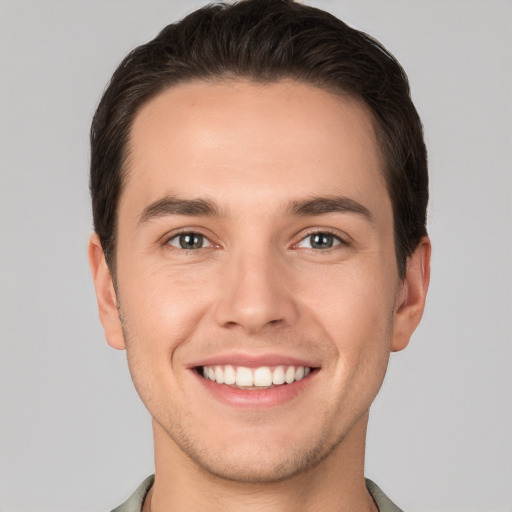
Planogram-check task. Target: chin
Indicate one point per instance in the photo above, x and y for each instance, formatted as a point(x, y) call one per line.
point(257, 462)
point(260, 469)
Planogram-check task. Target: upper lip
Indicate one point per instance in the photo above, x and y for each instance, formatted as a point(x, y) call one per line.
point(255, 360)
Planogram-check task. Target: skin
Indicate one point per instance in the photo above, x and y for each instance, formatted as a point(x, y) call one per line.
point(257, 287)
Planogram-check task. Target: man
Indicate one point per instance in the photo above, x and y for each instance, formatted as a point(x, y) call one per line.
point(259, 188)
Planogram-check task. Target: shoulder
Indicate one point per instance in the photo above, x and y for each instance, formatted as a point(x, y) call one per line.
point(383, 503)
point(135, 501)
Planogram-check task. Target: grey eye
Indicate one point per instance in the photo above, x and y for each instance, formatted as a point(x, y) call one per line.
point(189, 241)
point(319, 241)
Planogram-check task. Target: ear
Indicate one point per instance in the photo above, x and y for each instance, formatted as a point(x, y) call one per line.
point(411, 297)
point(105, 294)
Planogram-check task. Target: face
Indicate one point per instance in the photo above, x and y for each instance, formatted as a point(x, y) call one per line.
point(256, 274)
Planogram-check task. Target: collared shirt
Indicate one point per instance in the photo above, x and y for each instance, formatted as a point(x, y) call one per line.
point(136, 500)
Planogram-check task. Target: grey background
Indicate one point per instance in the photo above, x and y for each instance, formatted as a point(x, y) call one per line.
point(73, 434)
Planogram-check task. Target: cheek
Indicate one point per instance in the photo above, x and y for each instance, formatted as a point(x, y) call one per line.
point(354, 306)
point(159, 313)
point(362, 334)
point(355, 312)
point(162, 306)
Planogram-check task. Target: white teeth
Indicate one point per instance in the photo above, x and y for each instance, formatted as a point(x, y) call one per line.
point(219, 375)
point(289, 376)
point(278, 377)
point(229, 375)
point(244, 377)
point(261, 377)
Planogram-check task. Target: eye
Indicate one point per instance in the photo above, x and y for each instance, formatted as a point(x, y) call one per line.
point(320, 240)
point(189, 241)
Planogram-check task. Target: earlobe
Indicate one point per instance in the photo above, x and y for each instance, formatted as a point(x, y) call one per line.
point(411, 298)
point(105, 294)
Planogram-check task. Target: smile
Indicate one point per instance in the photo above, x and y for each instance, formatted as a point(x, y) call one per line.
point(262, 377)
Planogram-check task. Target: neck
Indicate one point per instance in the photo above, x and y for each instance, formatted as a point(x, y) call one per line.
point(335, 484)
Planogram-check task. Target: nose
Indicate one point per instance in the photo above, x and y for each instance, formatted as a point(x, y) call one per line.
point(255, 292)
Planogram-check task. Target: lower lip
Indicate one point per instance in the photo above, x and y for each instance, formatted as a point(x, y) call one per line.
point(256, 398)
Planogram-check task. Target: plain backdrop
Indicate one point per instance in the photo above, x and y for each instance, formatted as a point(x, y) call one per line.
point(73, 433)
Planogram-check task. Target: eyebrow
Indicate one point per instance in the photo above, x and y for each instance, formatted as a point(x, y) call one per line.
point(171, 205)
point(329, 204)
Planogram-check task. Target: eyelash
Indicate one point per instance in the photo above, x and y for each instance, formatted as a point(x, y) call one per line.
point(185, 232)
point(337, 239)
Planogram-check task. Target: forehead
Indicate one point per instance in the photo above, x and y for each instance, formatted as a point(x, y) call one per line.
point(274, 140)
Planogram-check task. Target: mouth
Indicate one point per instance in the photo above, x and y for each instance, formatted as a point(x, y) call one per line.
point(254, 379)
point(261, 381)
